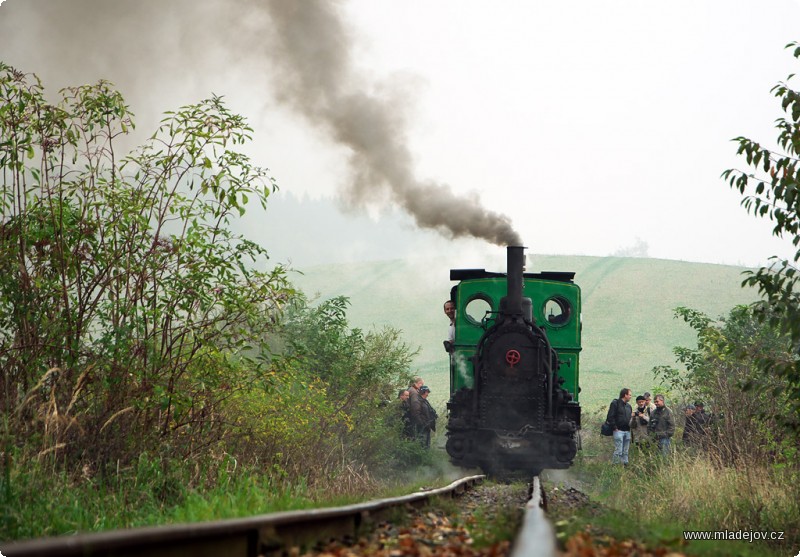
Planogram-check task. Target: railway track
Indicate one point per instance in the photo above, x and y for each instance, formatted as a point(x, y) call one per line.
point(286, 533)
point(536, 537)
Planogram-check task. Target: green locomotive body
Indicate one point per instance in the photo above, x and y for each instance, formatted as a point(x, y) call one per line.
point(514, 369)
point(556, 305)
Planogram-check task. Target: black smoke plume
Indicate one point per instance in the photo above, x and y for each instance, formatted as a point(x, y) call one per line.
point(308, 47)
point(313, 55)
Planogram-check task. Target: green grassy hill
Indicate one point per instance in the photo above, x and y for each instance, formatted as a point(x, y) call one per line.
point(628, 323)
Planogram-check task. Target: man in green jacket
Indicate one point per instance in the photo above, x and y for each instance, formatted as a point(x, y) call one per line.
point(662, 425)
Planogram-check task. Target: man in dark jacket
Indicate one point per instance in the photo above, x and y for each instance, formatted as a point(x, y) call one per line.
point(690, 426)
point(416, 409)
point(404, 413)
point(429, 417)
point(619, 415)
point(662, 425)
point(701, 417)
point(703, 424)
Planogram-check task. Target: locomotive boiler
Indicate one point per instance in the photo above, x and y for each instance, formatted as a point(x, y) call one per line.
point(514, 378)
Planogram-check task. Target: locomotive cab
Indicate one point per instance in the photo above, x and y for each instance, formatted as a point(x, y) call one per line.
point(514, 369)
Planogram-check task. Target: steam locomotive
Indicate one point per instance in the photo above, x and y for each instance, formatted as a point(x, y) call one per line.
point(514, 386)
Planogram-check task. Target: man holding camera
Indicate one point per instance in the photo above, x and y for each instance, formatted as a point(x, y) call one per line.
point(639, 421)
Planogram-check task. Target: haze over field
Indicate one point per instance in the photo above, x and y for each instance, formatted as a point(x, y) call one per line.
point(627, 313)
point(593, 127)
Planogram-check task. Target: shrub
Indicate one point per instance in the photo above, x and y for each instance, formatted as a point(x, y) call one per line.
point(119, 278)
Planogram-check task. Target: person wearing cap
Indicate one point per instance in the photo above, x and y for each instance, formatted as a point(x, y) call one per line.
point(662, 425)
point(701, 416)
point(690, 426)
point(416, 406)
point(429, 417)
point(639, 421)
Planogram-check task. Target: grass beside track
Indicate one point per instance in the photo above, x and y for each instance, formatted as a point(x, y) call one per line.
point(37, 502)
point(647, 506)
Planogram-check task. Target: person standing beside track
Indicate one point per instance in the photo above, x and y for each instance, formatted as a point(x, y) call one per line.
point(649, 404)
point(404, 413)
point(430, 417)
point(662, 425)
point(416, 409)
point(619, 415)
point(639, 421)
point(690, 426)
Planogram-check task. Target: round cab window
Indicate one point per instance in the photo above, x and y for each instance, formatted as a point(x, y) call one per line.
point(477, 309)
point(557, 311)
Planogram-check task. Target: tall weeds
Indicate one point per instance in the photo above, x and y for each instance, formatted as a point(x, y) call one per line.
point(691, 490)
point(48, 502)
point(709, 497)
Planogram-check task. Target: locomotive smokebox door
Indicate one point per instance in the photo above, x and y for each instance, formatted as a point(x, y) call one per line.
point(512, 356)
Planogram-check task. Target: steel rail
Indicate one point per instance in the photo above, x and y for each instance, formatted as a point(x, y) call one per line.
point(252, 536)
point(536, 537)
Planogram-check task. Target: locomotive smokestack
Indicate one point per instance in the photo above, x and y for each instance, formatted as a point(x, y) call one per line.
point(514, 281)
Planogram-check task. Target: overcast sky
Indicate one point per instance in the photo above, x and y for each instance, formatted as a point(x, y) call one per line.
point(592, 125)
